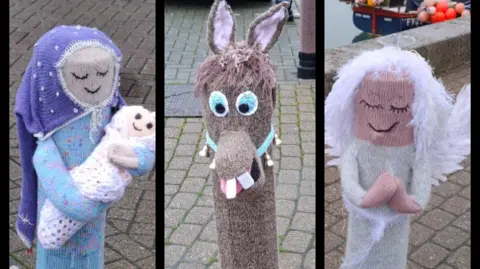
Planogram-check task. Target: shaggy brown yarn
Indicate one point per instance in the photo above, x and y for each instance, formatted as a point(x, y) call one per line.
point(236, 68)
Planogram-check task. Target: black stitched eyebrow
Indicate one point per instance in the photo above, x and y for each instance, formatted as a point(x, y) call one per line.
point(78, 77)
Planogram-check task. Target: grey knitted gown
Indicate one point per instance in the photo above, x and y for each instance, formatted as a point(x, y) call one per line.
point(362, 164)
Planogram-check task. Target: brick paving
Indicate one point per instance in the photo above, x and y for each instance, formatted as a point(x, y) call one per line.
point(440, 236)
point(130, 240)
point(190, 232)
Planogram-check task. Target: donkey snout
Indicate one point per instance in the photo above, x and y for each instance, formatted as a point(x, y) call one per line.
point(236, 163)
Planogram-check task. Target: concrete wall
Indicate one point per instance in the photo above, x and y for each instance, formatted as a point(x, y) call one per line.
point(446, 46)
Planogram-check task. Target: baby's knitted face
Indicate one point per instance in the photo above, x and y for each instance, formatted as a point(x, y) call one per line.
point(140, 122)
point(383, 109)
point(89, 75)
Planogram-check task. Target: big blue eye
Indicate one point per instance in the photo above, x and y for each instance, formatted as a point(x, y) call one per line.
point(247, 103)
point(218, 104)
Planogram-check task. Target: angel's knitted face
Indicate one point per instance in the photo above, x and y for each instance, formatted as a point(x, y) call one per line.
point(89, 75)
point(140, 122)
point(383, 110)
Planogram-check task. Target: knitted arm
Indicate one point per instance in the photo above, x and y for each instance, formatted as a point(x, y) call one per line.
point(421, 183)
point(349, 177)
point(56, 182)
point(146, 161)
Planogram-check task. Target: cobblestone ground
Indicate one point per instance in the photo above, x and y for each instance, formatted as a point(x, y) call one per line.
point(190, 232)
point(440, 237)
point(130, 240)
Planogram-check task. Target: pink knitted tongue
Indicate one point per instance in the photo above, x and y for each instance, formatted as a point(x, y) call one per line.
point(223, 186)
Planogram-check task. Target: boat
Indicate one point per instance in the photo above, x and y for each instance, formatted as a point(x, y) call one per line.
point(384, 20)
point(381, 20)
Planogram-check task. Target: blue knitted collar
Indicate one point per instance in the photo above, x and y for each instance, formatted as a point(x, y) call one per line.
point(260, 151)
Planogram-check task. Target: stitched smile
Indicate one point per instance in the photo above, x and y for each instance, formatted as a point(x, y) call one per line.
point(92, 92)
point(135, 127)
point(385, 130)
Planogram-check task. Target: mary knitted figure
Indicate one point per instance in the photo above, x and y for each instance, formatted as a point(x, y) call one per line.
point(69, 92)
point(395, 129)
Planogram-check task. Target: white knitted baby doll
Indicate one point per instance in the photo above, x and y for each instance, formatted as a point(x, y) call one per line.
point(98, 178)
point(396, 130)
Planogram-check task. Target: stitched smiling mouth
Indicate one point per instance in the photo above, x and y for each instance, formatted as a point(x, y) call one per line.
point(135, 127)
point(385, 130)
point(92, 92)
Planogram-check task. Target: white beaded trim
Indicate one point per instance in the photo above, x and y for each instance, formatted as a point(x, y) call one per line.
point(72, 48)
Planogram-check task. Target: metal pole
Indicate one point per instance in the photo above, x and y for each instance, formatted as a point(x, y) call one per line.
point(307, 55)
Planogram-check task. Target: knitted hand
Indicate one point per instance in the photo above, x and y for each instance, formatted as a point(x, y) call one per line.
point(123, 156)
point(390, 189)
point(402, 202)
point(382, 191)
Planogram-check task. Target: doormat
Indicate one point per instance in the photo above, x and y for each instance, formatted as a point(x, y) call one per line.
point(180, 101)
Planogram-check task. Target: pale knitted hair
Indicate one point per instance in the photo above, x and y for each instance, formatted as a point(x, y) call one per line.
point(431, 106)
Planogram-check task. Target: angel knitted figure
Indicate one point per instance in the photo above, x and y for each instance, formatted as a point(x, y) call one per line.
point(395, 129)
point(237, 90)
point(68, 94)
point(98, 178)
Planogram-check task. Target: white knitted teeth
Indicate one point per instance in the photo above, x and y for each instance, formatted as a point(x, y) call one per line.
point(203, 152)
point(212, 165)
point(277, 140)
point(269, 160)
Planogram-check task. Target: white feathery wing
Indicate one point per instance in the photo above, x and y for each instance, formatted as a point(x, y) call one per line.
point(332, 151)
point(449, 151)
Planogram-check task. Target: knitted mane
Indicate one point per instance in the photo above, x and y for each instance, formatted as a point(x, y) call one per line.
point(241, 64)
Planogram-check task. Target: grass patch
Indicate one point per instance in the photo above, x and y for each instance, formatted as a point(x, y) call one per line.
point(211, 260)
point(282, 249)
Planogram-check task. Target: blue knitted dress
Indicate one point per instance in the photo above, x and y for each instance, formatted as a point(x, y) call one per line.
point(71, 145)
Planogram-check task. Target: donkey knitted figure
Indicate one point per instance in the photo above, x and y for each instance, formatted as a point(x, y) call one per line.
point(236, 86)
point(396, 130)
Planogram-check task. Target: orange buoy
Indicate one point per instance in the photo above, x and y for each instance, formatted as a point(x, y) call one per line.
point(450, 14)
point(439, 16)
point(465, 13)
point(429, 3)
point(459, 8)
point(423, 16)
point(431, 10)
point(442, 7)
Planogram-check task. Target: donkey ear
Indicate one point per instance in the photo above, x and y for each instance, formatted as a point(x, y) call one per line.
point(265, 30)
point(221, 27)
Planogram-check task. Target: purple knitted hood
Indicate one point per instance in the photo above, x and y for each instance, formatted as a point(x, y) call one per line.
point(43, 106)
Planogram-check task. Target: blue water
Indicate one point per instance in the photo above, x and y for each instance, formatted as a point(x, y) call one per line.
point(339, 28)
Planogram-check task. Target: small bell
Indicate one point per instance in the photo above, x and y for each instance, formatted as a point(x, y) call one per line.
point(203, 152)
point(277, 140)
point(212, 165)
point(269, 160)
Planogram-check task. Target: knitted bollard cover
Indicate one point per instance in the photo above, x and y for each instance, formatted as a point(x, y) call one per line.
point(396, 131)
point(236, 86)
point(68, 94)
